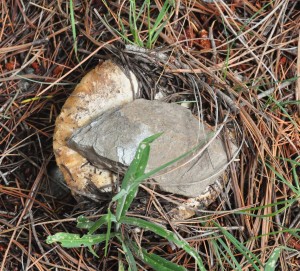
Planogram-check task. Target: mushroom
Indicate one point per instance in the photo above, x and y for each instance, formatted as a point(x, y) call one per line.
point(103, 88)
point(101, 125)
point(192, 177)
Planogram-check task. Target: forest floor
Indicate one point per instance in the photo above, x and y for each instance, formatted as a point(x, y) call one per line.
point(247, 52)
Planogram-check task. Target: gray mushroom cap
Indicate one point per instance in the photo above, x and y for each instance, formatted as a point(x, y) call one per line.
point(112, 138)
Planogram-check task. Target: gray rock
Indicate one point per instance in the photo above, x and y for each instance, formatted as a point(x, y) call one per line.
point(111, 140)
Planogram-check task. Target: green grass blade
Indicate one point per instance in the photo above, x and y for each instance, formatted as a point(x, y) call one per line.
point(232, 261)
point(286, 203)
point(160, 16)
point(102, 220)
point(73, 25)
point(129, 256)
point(72, 240)
point(170, 236)
point(154, 261)
point(296, 177)
point(242, 249)
point(283, 180)
point(132, 180)
point(149, 42)
point(108, 232)
point(154, 31)
point(154, 37)
point(121, 194)
point(138, 180)
point(160, 264)
point(131, 20)
point(294, 165)
point(93, 251)
point(285, 112)
point(216, 250)
point(271, 263)
point(139, 163)
point(133, 23)
point(121, 265)
point(135, 170)
point(140, 13)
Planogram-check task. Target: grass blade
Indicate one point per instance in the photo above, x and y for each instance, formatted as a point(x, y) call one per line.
point(135, 170)
point(170, 236)
point(139, 163)
point(129, 256)
point(108, 232)
point(73, 25)
point(156, 262)
point(137, 181)
point(153, 32)
point(283, 180)
point(102, 220)
point(132, 179)
point(120, 262)
point(241, 248)
point(232, 260)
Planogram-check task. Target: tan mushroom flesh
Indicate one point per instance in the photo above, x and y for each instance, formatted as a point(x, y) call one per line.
point(103, 88)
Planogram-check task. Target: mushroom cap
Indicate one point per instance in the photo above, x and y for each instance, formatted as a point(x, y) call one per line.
point(113, 138)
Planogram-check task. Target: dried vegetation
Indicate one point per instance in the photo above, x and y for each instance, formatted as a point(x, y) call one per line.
point(245, 53)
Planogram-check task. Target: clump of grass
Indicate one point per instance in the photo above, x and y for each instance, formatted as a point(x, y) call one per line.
point(113, 222)
point(138, 17)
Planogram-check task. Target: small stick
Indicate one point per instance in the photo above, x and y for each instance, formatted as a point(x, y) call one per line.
point(23, 46)
point(298, 76)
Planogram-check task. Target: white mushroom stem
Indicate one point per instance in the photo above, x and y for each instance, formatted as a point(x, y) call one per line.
point(103, 88)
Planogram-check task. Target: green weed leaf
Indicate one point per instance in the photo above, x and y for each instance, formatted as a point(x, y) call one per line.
point(84, 223)
point(72, 240)
point(271, 263)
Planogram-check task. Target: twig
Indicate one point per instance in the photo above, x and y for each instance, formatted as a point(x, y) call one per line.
point(297, 89)
point(23, 46)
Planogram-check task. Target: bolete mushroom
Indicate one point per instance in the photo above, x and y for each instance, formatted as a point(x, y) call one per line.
point(103, 124)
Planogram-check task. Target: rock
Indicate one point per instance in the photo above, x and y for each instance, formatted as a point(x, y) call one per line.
point(113, 137)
